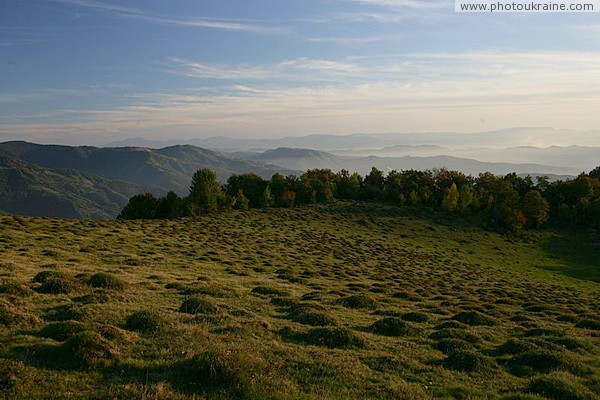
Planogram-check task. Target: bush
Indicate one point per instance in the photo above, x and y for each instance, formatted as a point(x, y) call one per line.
point(106, 281)
point(334, 338)
point(88, 348)
point(448, 346)
point(559, 387)
point(468, 361)
point(415, 317)
point(62, 331)
point(358, 301)
point(393, 327)
point(474, 318)
point(197, 305)
point(145, 322)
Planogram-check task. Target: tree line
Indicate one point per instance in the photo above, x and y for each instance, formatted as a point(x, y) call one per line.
point(507, 202)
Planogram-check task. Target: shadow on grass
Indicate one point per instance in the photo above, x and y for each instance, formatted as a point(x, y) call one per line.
point(576, 254)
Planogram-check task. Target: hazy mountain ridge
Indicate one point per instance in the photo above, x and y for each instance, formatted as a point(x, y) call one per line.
point(511, 137)
point(303, 158)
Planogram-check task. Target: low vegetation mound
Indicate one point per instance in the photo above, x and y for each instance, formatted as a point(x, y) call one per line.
point(559, 386)
point(106, 281)
point(145, 321)
point(474, 318)
point(334, 338)
point(468, 361)
point(62, 331)
point(393, 327)
point(198, 305)
point(358, 301)
point(88, 348)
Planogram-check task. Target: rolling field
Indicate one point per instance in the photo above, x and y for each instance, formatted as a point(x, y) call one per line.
point(345, 301)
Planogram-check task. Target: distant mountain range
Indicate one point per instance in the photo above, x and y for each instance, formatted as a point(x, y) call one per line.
point(481, 146)
point(302, 159)
point(327, 142)
point(90, 182)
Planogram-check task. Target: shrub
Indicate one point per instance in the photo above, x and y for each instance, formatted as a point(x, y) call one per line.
point(393, 327)
point(474, 318)
point(106, 281)
point(334, 338)
point(358, 301)
point(415, 317)
point(145, 322)
point(61, 331)
point(468, 361)
point(197, 305)
point(88, 348)
point(559, 387)
point(448, 346)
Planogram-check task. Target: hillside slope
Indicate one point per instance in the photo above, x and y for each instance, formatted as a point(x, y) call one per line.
point(169, 168)
point(347, 301)
point(27, 189)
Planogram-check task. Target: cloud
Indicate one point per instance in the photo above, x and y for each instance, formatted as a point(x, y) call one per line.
point(299, 69)
point(412, 92)
point(207, 23)
point(413, 4)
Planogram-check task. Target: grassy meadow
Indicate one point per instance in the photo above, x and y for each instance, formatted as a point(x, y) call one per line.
point(343, 301)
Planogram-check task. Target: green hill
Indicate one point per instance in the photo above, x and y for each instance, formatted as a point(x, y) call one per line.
point(170, 168)
point(344, 301)
point(27, 189)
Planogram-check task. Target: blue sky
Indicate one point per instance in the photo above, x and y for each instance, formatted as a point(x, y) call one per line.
point(86, 71)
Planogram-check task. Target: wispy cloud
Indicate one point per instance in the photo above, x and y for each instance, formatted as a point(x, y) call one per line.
point(414, 4)
point(300, 69)
point(413, 92)
point(207, 23)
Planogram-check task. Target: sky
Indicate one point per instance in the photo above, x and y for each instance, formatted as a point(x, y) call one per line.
point(96, 71)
